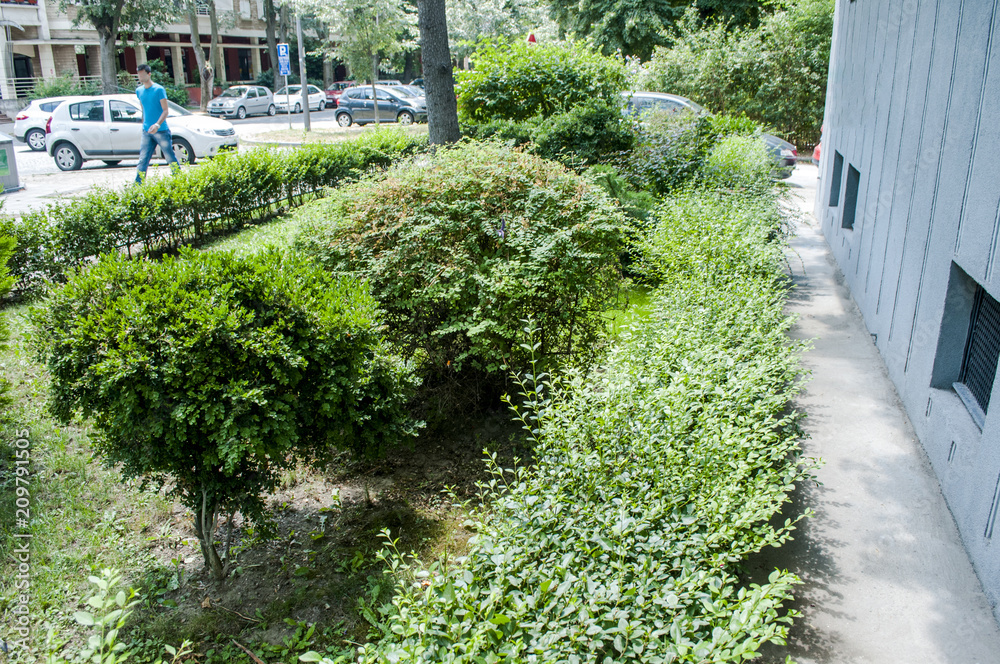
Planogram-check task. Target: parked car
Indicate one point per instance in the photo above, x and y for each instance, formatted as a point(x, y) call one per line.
point(291, 95)
point(419, 82)
point(29, 125)
point(414, 90)
point(641, 103)
point(784, 154)
point(241, 101)
point(394, 105)
point(109, 128)
point(333, 92)
point(389, 81)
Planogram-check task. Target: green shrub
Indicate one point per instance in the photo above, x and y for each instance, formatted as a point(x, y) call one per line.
point(590, 133)
point(6, 281)
point(656, 479)
point(62, 86)
point(739, 162)
point(460, 248)
point(512, 132)
point(517, 80)
point(669, 152)
point(775, 73)
point(209, 374)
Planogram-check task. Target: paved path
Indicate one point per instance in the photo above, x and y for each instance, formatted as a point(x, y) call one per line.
point(886, 578)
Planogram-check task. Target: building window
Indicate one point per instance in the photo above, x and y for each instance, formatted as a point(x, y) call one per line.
point(838, 174)
point(982, 350)
point(851, 197)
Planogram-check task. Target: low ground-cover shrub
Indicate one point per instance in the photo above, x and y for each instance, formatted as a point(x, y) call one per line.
point(209, 373)
point(461, 247)
point(518, 80)
point(221, 195)
point(656, 477)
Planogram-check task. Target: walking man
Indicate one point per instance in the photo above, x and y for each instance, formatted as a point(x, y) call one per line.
point(153, 100)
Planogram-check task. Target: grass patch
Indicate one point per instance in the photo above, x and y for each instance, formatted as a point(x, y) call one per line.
point(329, 134)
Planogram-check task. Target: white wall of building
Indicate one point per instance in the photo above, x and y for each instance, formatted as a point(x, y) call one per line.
point(913, 105)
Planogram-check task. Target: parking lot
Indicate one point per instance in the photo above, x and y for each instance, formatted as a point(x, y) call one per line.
point(44, 183)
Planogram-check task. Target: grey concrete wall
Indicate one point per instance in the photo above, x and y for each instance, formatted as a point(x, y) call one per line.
point(913, 104)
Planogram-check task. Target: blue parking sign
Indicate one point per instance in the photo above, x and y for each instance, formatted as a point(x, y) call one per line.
point(284, 63)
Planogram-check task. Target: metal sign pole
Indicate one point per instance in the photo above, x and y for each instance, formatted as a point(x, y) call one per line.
point(303, 78)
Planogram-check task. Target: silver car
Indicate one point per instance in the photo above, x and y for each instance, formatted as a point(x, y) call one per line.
point(29, 124)
point(242, 100)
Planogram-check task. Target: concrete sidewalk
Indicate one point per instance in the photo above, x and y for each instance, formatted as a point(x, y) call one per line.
point(886, 578)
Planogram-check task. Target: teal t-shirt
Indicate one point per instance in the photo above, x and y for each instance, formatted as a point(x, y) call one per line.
point(149, 99)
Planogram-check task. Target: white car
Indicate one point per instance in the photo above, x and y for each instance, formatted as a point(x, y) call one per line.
point(29, 125)
point(109, 128)
point(241, 101)
point(291, 96)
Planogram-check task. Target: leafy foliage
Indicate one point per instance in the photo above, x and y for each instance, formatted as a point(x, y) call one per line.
point(739, 162)
point(517, 80)
point(590, 133)
point(459, 249)
point(219, 196)
point(175, 93)
point(775, 73)
point(655, 478)
point(210, 373)
point(62, 86)
point(631, 27)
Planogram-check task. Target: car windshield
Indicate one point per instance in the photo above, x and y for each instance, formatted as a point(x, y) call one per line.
point(290, 90)
point(176, 110)
point(234, 92)
point(403, 91)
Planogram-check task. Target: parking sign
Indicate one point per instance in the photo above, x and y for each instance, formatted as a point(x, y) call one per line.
point(284, 63)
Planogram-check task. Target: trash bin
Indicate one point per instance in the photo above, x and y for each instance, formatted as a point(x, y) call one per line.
point(8, 164)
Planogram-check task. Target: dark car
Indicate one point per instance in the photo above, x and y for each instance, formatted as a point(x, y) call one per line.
point(784, 154)
point(357, 105)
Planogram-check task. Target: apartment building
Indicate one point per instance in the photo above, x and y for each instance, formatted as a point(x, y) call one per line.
point(39, 41)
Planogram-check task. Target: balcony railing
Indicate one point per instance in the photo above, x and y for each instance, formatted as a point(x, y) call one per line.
point(23, 87)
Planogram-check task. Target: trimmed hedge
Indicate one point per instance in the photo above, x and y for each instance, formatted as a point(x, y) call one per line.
point(655, 479)
point(221, 195)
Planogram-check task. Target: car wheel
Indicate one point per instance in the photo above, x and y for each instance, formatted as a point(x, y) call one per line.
point(405, 118)
point(112, 162)
point(271, 110)
point(183, 150)
point(320, 106)
point(298, 108)
point(241, 112)
point(35, 140)
point(67, 157)
point(344, 119)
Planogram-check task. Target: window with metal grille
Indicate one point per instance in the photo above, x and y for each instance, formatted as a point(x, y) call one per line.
point(838, 175)
point(982, 349)
point(851, 197)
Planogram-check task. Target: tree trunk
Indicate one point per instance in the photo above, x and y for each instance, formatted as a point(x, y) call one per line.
point(439, 84)
point(216, 50)
point(408, 67)
point(283, 25)
point(374, 92)
point(109, 68)
point(205, 74)
point(205, 521)
point(270, 19)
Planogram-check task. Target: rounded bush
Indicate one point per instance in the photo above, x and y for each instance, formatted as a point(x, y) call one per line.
point(461, 247)
point(215, 372)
